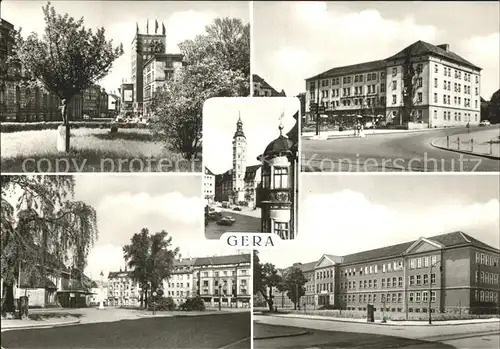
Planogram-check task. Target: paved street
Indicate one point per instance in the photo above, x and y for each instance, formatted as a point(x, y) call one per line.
point(229, 331)
point(332, 334)
point(391, 152)
point(244, 223)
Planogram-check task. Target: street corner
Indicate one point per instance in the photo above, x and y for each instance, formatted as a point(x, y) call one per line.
point(266, 331)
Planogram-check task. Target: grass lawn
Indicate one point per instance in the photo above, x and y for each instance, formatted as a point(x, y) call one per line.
point(92, 150)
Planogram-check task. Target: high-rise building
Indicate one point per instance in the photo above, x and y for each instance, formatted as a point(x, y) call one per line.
point(422, 84)
point(144, 47)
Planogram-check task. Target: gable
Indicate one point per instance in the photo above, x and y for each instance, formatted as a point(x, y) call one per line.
point(324, 262)
point(423, 246)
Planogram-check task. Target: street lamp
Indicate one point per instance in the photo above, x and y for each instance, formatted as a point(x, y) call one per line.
point(154, 302)
point(101, 300)
point(430, 290)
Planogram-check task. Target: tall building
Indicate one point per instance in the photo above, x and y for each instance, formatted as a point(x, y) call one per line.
point(438, 87)
point(95, 102)
point(157, 70)
point(180, 285)
point(224, 279)
point(239, 162)
point(144, 47)
point(262, 89)
point(208, 185)
point(454, 271)
point(122, 290)
point(278, 190)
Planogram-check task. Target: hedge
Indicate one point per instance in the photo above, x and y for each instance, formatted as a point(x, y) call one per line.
point(8, 127)
point(193, 304)
point(163, 304)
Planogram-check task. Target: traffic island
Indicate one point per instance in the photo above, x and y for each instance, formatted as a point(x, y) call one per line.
point(265, 331)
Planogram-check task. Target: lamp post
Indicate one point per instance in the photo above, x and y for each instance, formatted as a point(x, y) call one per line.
point(430, 290)
point(154, 302)
point(220, 296)
point(101, 298)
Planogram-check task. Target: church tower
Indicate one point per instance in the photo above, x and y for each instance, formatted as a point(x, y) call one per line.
point(239, 162)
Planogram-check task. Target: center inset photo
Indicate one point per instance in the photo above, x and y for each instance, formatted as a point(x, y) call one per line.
point(251, 164)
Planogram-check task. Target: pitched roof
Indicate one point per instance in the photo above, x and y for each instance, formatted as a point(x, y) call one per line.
point(305, 267)
point(256, 78)
point(114, 274)
point(251, 171)
point(348, 69)
point(208, 172)
point(184, 262)
point(423, 48)
point(220, 260)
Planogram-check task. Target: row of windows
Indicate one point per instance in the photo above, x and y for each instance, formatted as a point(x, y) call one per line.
point(178, 293)
point(458, 73)
point(486, 259)
point(177, 285)
point(348, 79)
point(422, 262)
point(413, 297)
point(486, 296)
point(373, 269)
point(486, 277)
point(421, 279)
point(280, 178)
point(458, 116)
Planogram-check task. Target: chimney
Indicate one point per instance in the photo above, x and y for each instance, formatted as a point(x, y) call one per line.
point(445, 47)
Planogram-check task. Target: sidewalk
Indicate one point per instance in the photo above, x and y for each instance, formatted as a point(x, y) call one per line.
point(484, 143)
point(245, 211)
point(367, 132)
point(27, 324)
point(264, 331)
point(390, 322)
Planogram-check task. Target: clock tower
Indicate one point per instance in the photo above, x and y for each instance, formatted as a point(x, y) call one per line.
point(239, 163)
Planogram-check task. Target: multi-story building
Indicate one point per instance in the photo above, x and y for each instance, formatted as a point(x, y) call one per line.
point(262, 89)
point(113, 104)
point(122, 290)
point(444, 88)
point(279, 184)
point(224, 279)
point(180, 286)
point(208, 185)
point(95, 102)
point(451, 272)
point(157, 70)
point(98, 292)
point(127, 98)
point(144, 47)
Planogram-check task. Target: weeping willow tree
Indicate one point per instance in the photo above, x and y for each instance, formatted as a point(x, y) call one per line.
point(43, 230)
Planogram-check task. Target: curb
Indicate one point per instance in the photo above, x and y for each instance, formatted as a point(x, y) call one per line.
point(56, 324)
point(296, 334)
point(492, 157)
point(436, 323)
point(371, 134)
point(153, 316)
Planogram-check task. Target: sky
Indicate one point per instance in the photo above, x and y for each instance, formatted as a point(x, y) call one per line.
point(307, 38)
point(344, 214)
point(261, 120)
point(127, 203)
point(183, 20)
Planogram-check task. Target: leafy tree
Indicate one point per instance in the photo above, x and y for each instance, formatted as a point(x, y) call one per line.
point(294, 284)
point(485, 109)
point(494, 106)
point(216, 64)
point(266, 279)
point(68, 58)
point(42, 229)
point(151, 260)
point(411, 76)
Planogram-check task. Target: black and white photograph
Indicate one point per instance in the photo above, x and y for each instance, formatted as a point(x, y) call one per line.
point(385, 86)
point(385, 261)
point(250, 159)
point(115, 86)
point(108, 261)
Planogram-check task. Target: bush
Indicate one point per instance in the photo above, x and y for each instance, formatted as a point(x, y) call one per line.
point(162, 304)
point(193, 304)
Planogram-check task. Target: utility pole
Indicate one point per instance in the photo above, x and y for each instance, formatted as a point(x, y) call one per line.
point(430, 291)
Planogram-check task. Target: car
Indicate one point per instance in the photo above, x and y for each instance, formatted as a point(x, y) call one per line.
point(484, 123)
point(86, 117)
point(237, 208)
point(226, 220)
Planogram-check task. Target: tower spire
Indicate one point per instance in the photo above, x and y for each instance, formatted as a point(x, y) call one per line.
point(280, 127)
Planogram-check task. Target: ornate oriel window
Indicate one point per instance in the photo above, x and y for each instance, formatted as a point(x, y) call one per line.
point(266, 178)
point(280, 178)
point(281, 229)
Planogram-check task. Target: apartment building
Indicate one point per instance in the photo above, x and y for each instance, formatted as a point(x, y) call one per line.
point(454, 271)
point(208, 185)
point(262, 89)
point(224, 279)
point(122, 290)
point(445, 89)
point(180, 285)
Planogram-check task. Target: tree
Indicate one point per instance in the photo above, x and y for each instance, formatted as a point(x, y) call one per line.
point(294, 284)
point(42, 229)
point(68, 58)
point(216, 64)
point(485, 109)
point(411, 84)
point(494, 106)
point(266, 278)
point(151, 260)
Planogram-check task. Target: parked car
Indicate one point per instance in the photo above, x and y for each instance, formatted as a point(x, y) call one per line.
point(485, 123)
point(237, 208)
point(369, 124)
point(226, 220)
point(86, 117)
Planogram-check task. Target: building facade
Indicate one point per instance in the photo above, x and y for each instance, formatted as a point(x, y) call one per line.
point(113, 105)
point(95, 102)
point(239, 162)
point(262, 89)
point(157, 70)
point(452, 272)
point(122, 290)
point(208, 185)
point(223, 280)
point(180, 286)
point(444, 87)
point(144, 47)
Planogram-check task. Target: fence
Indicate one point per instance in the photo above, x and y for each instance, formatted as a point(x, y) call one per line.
point(471, 145)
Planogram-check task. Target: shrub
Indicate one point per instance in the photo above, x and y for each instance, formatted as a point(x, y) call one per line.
point(114, 129)
point(162, 304)
point(193, 304)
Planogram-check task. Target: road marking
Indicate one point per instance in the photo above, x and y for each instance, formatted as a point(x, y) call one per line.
point(234, 343)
